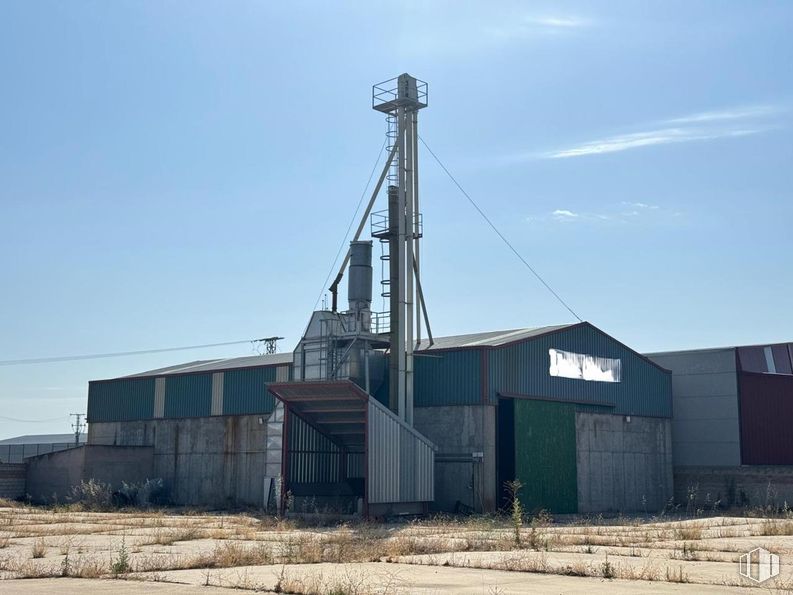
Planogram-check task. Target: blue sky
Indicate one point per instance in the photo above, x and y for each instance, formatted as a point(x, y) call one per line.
point(178, 173)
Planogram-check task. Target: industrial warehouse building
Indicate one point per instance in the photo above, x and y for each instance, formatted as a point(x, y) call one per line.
point(731, 431)
point(582, 420)
point(366, 416)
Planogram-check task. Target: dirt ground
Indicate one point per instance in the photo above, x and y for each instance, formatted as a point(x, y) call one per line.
point(66, 550)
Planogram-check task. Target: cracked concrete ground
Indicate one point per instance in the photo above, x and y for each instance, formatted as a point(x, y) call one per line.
point(45, 551)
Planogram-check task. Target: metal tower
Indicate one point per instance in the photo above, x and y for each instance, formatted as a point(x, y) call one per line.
point(399, 229)
point(400, 99)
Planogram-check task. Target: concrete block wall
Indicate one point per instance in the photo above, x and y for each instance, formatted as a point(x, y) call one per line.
point(623, 466)
point(216, 461)
point(458, 432)
point(12, 480)
point(51, 477)
point(757, 485)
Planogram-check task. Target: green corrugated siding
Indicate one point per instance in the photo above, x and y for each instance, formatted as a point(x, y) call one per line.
point(245, 391)
point(523, 368)
point(188, 396)
point(121, 400)
point(381, 392)
point(447, 378)
point(545, 455)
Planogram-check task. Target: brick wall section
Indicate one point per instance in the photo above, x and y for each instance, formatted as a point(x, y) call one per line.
point(12, 480)
point(734, 486)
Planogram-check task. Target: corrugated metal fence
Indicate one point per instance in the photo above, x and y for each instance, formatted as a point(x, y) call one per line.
point(15, 453)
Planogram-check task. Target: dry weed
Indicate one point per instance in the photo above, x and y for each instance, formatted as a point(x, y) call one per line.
point(688, 533)
point(39, 549)
point(776, 527)
point(676, 575)
point(84, 567)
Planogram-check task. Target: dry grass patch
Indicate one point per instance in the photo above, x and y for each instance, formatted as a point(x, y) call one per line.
point(776, 527)
point(234, 554)
point(348, 582)
point(688, 533)
point(689, 551)
point(676, 575)
point(170, 536)
point(84, 567)
point(225, 555)
point(39, 549)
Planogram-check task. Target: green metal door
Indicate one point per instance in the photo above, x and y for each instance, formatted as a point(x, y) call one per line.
point(545, 455)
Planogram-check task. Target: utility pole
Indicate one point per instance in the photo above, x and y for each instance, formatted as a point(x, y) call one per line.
point(78, 426)
point(271, 344)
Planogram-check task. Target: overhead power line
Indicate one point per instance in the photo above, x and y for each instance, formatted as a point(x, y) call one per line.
point(33, 421)
point(349, 227)
point(71, 358)
point(500, 235)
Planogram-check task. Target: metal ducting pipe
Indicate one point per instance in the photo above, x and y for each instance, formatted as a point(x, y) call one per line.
point(359, 282)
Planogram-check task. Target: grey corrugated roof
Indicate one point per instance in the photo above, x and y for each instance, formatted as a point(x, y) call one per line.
point(709, 349)
point(485, 339)
point(42, 439)
point(490, 338)
point(215, 365)
point(176, 368)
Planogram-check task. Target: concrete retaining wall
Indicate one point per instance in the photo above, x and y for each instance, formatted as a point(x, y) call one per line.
point(50, 477)
point(623, 466)
point(702, 487)
point(207, 461)
point(458, 432)
point(12, 480)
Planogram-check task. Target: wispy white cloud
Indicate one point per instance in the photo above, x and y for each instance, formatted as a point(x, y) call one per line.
point(528, 27)
point(700, 126)
point(663, 136)
point(436, 31)
point(559, 21)
point(621, 213)
point(639, 205)
point(736, 113)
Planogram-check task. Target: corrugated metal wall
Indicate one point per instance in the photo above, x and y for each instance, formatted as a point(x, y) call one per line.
point(120, 400)
point(245, 391)
point(545, 455)
point(448, 378)
point(523, 368)
point(188, 396)
point(766, 404)
point(401, 461)
point(313, 458)
point(16, 453)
